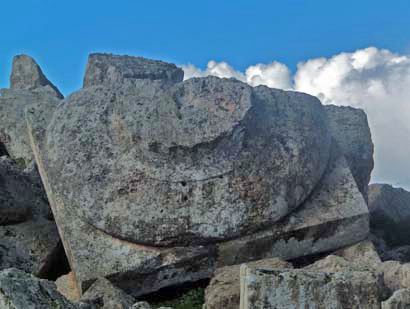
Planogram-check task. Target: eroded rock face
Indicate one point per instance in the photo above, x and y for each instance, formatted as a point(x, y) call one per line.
point(350, 129)
point(389, 210)
point(224, 289)
point(27, 75)
point(28, 235)
point(105, 294)
point(111, 69)
point(285, 289)
point(399, 300)
point(208, 159)
point(20, 290)
point(28, 85)
point(21, 196)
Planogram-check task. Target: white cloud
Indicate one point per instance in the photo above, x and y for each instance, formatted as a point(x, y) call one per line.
point(376, 80)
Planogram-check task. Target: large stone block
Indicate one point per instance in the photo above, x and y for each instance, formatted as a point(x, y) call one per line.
point(334, 216)
point(286, 289)
point(28, 85)
point(152, 187)
point(350, 129)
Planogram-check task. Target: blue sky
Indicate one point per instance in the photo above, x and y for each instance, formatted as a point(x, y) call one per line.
point(345, 52)
point(60, 34)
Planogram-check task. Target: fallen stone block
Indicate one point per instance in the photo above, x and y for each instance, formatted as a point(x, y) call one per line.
point(288, 289)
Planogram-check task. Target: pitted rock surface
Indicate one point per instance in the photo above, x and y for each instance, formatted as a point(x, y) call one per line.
point(28, 86)
point(207, 159)
point(27, 75)
point(115, 69)
point(349, 127)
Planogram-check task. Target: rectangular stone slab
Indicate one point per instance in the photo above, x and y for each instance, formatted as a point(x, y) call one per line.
point(295, 288)
point(334, 216)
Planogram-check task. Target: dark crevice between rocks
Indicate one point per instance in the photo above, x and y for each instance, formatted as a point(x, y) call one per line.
point(306, 260)
point(56, 264)
point(174, 292)
point(3, 150)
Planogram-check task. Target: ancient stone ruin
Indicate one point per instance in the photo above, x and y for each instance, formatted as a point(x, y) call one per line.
point(154, 181)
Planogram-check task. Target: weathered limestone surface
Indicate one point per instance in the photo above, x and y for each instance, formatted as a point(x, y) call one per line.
point(224, 289)
point(349, 127)
point(389, 210)
point(67, 286)
point(108, 69)
point(203, 158)
point(21, 196)
point(154, 182)
point(396, 275)
point(20, 290)
point(363, 253)
point(334, 216)
point(399, 300)
point(27, 86)
point(28, 236)
point(106, 295)
point(309, 289)
point(26, 74)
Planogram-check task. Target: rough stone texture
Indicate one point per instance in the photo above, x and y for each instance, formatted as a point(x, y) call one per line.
point(396, 275)
point(28, 236)
point(309, 289)
point(104, 293)
point(401, 254)
point(67, 286)
point(26, 74)
point(363, 253)
point(20, 290)
point(389, 209)
point(224, 289)
point(226, 172)
point(334, 263)
point(334, 216)
point(28, 85)
point(108, 69)
point(21, 194)
point(399, 300)
point(349, 127)
point(204, 158)
point(145, 305)
point(30, 246)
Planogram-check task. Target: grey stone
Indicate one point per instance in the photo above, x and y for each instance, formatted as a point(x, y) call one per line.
point(399, 300)
point(21, 194)
point(13, 129)
point(284, 289)
point(389, 210)
point(145, 305)
point(204, 158)
point(363, 253)
point(224, 289)
point(396, 275)
point(334, 263)
point(20, 290)
point(26, 74)
point(334, 216)
point(28, 85)
point(109, 69)
point(141, 305)
point(153, 186)
point(30, 246)
point(349, 127)
point(107, 295)
point(28, 235)
point(401, 254)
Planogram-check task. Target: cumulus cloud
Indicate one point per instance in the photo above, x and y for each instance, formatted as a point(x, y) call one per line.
point(376, 80)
